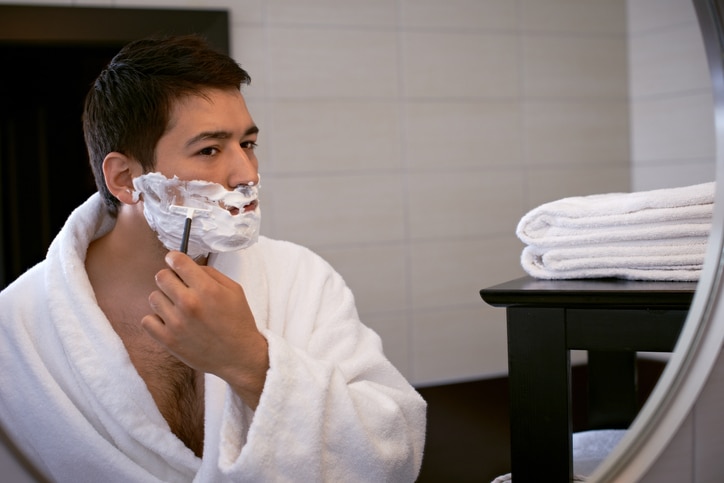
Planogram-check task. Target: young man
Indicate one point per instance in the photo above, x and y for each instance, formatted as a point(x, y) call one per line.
point(243, 359)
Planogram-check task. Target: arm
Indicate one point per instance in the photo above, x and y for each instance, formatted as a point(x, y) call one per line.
point(333, 408)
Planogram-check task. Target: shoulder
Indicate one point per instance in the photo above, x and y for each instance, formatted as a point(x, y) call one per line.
point(24, 296)
point(30, 280)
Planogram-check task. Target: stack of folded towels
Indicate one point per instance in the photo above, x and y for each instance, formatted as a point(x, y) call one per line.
point(648, 235)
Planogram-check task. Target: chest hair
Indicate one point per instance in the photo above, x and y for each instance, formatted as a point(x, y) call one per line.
point(177, 389)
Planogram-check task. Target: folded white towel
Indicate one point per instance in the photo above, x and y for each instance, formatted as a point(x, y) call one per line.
point(626, 260)
point(642, 215)
point(647, 235)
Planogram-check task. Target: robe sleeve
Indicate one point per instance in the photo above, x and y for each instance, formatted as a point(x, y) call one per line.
point(333, 407)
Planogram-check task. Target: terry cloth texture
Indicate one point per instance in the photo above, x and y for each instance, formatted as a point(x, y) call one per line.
point(647, 235)
point(333, 407)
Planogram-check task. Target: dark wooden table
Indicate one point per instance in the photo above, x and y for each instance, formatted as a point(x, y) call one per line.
point(612, 319)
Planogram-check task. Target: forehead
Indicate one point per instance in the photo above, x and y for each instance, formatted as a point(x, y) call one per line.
point(221, 109)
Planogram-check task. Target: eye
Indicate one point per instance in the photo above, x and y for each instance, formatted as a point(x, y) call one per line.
point(249, 145)
point(209, 151)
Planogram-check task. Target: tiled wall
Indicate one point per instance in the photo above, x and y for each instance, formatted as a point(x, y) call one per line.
point(671, 106)
point(672, 123)
point(404, 139)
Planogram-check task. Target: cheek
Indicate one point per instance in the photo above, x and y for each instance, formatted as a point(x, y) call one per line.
point(186, 171)
point(171, 162)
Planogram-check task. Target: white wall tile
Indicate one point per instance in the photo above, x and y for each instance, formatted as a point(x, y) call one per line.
point(668, 61)
point(673, 127)
point(672, 123)
point(241, 12)
point(91, 3)
point(668, 174)
point(581, 133)
point(498, 15)
point(646, 15)
point(452, 273)
point(377, 275)
point(249, 10)
point(449, 65)
point(156, 3)
point(247, 48)
point(575, 67)
point(329, 210)
point(318, 63)
point(486, 134)
point(459, 344)
point(589, 17)
point(366, 136)
point(451, 205)
point(550, 184)
point(333, 12)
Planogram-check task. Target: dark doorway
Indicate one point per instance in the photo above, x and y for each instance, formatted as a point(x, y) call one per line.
point(44, 171)
point(50, 57)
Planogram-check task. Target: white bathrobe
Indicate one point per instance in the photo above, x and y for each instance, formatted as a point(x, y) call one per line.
point(333, 407)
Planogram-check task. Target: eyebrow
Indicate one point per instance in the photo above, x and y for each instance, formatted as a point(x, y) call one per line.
point(219, 135)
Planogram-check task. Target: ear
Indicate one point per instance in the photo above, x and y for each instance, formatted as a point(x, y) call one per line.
point(119, 171)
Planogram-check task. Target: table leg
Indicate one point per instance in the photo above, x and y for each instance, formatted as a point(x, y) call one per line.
point(540, 395)
point(611, 389)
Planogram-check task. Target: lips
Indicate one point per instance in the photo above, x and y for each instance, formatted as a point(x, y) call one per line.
point(251, 206)
point(246, 207)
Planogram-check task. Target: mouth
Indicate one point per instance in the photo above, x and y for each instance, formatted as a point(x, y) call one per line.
point(251, 206)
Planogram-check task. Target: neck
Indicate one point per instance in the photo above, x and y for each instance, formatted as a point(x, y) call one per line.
point(130, 251)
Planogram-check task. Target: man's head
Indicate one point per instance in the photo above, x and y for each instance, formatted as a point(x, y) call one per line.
point(128, 108)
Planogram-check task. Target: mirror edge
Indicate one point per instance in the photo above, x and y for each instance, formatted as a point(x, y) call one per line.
point(701, 338)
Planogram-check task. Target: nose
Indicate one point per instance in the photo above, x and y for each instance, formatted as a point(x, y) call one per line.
point(244, 171)
point(255, 183)
point(252, 183)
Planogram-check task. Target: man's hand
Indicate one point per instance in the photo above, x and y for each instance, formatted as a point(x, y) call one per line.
point(203, 318)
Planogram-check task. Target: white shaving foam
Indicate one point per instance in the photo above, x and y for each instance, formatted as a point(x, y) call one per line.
point(213, 231)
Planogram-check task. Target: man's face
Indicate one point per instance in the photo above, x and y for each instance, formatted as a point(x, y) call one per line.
point(205, 164)
point(210, 138)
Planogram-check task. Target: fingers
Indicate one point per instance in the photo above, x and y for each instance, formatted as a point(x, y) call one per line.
point(169, 282)
point(155, 327)
point(174, 296)
point(165, 321)
point(159, 331)
point(202, 317)
point(178, 282)
point(191, 273)
point(185, 288)
point(183, 266)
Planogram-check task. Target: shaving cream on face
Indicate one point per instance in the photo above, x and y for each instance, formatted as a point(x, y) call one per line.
point(212, 231)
